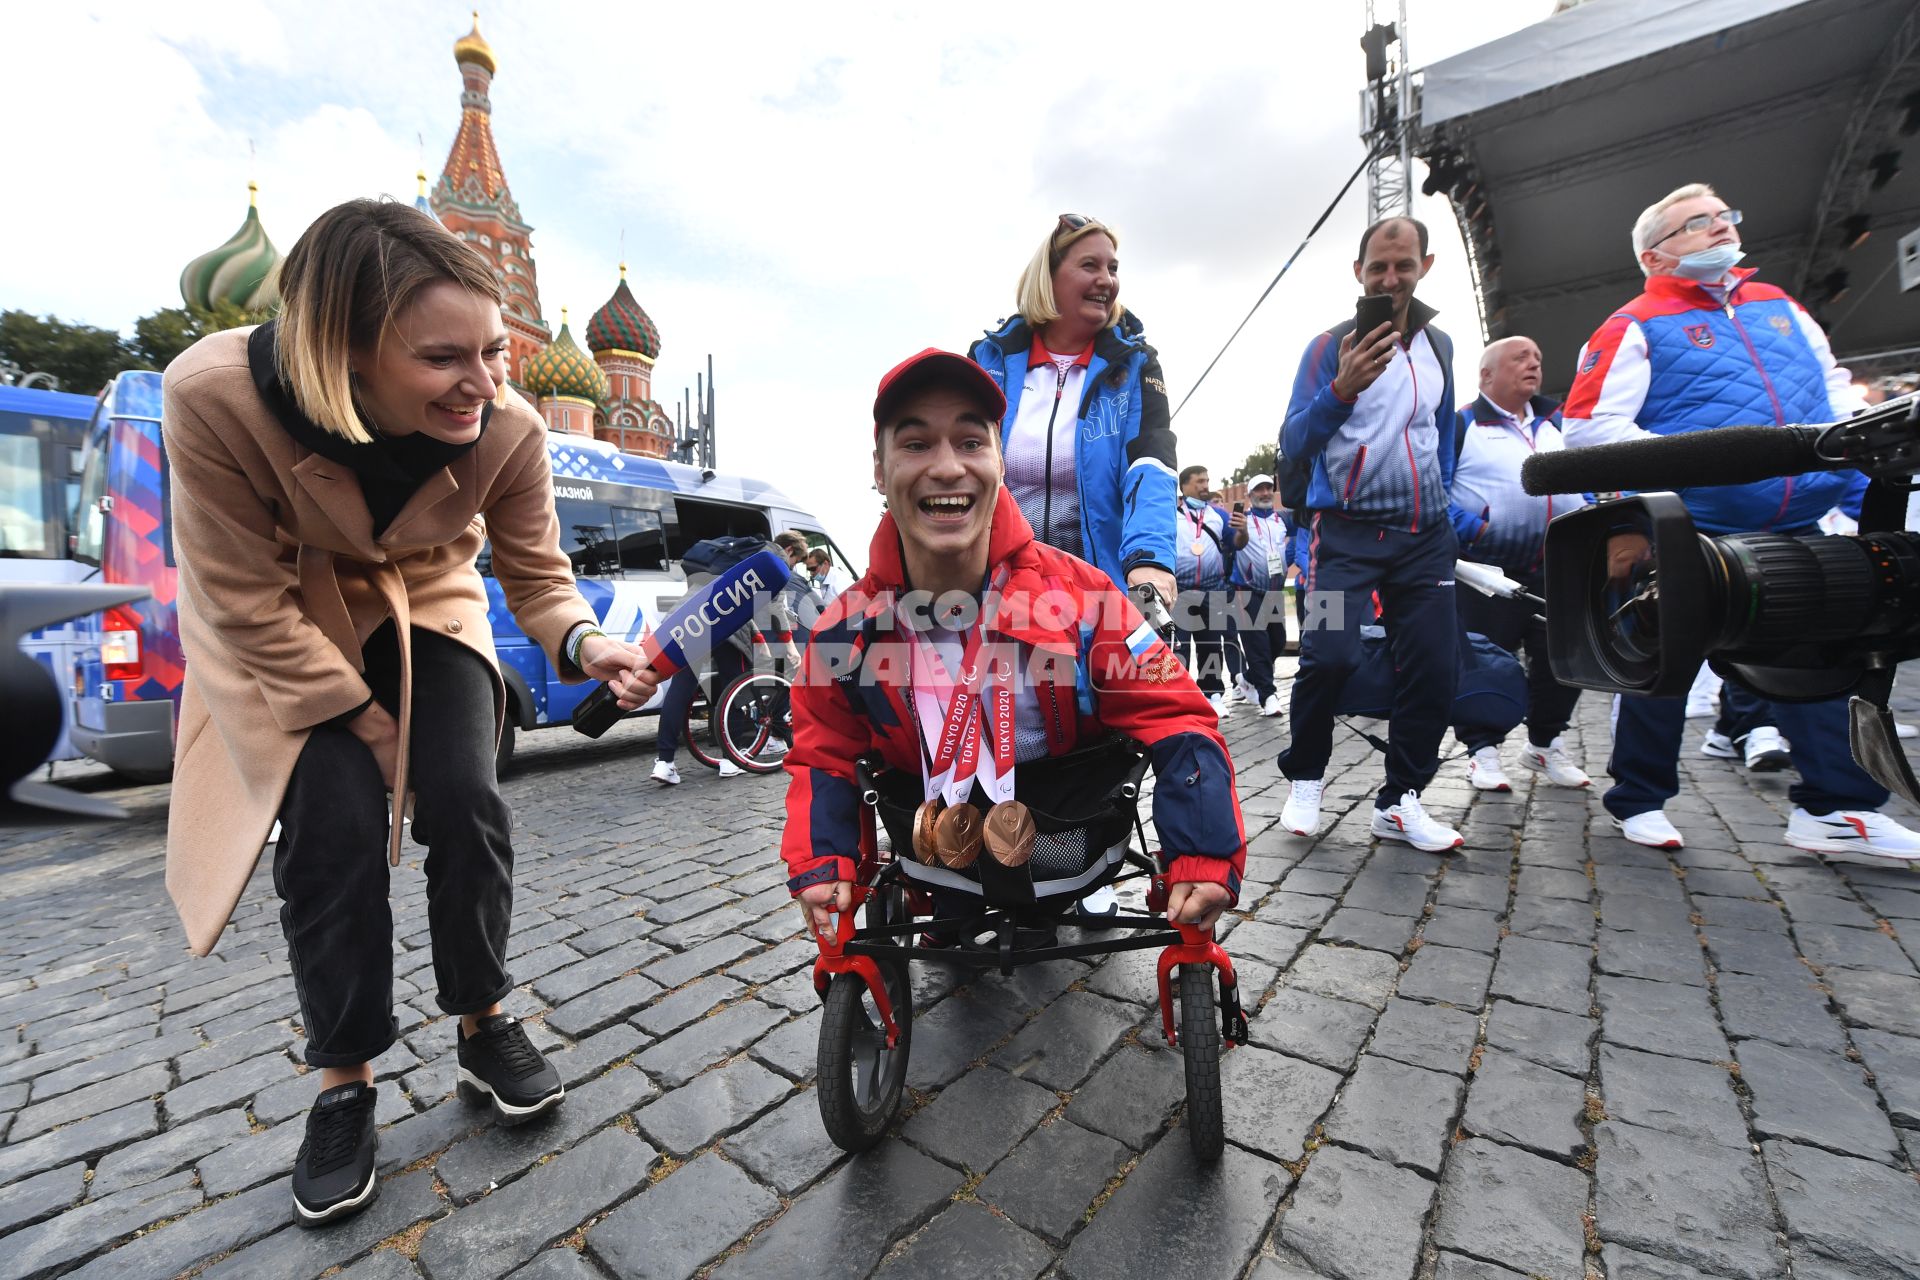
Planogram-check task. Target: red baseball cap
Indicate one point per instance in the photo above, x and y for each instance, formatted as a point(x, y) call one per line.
point(934, 367)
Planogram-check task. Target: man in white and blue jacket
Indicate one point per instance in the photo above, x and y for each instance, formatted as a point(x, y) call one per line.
point(1364, 431)
point(1260, 568)
point(1205, 540)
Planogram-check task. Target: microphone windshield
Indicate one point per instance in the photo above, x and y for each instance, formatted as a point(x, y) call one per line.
point(1723, 455)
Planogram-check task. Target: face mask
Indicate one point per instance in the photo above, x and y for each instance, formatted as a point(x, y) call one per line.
point(1709, 266)
point(1195, 504)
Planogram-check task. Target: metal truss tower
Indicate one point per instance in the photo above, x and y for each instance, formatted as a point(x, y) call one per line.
point(1386, 113)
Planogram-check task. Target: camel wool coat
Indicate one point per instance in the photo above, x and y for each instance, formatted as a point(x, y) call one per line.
point(281, 580)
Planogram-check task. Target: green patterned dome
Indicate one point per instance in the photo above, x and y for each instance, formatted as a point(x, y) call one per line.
point(622, 325)
point(563, 369)
point(245, 271)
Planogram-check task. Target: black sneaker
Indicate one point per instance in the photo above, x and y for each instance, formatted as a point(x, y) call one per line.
point(499, 1064)
point(333, 1177)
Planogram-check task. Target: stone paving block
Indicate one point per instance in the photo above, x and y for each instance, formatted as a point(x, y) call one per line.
point(1551, 919)
point(109, 1065)
point(79, 1141)
point(1658, 957)
point(689, 1117)
point(1675, 1018)
point(1505, 1205)
point(1787, 1010)
point(967, 1242)
point(1806, 907)
point(603, 1006)
point(562, 985)
point(1553, 974)
point(1399, 895)
point(776, 963)
point(1817, 1098)
point(843, 1226)
point(1673, 1095)
point(189, 1241)
point(1461, 927)
point(1298, 910)
point(1133, 1093)
point(1424, 1035)
point(1317, 1028)
point(1836, 946)
point(58, 1243)
point(556, 1263)
point(786, 1148)
point(792, 1049)
point(257, 1158)
point(1447, 975)
point(694, 1214)
point(1403, 1115)
point(686, 1053)
point(1552, 882)
point(1634, 913)
point(684, 966)
point(976, 1120)
point(1172, 1220)
point(42, 1196)
point(1562, 1041)
point(1761, 952)
point(1131, 976)
point(1740, 913)
point(507, 1228)
point(1308, 880)
point(1345, 973)
point(499, 1153)
point(1271, 1102)
point(1630, 1264)
point(957, 1031)
point(1031, 987)
point(1357, 1218)
point(164, 1153)
point(795, 993)
point(1475, 892)
point(144, 1082)
point(1048, 1181)
point(1359, 927)
point(1512, 1100)
point(1895, 1064)
point(695, 1000)
point(1888, 1001)
point(1277, 944)
point(235, 1049)
point(296, 1254)
point(1061, 1047)
point(1862, 1216)
point(1457, 1266)
point(1685, 1200)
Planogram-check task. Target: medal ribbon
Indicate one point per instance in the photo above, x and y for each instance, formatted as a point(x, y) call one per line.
point(952, 739)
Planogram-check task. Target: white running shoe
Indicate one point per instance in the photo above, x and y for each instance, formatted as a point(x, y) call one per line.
point(1719, 746)
point(1272, 706)
point(1767, 751)
point(1650, 829)
point(1554, 761)
point(665, 773)
point(1483, 771)
point(1102, 902)
point(1906, 730)
point(1852, 831)
point(1222, 704)
point(1704, 698)
point(728, 769)
point(1301, 814)
point(1409, 822)
point(1699, 708)
point(1244, 687)
point(774, 747)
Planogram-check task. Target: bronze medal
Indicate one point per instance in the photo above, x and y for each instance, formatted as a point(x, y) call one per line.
point(1010, 833)
point(923, 823)
point(956, 836)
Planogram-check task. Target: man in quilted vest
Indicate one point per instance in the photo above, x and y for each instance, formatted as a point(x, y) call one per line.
point(1707, 346)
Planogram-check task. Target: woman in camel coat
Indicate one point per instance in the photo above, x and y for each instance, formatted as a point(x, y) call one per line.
point(331, 473)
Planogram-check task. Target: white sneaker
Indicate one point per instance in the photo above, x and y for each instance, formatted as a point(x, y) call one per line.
point(728, 769)
point(1905, 730)
point(1409, 822)
point(1699, 707)
point(1244, 687)
point(1554, 761)
point(775, 747)
point(1852, 831)
point(1301, 814)
point(1272, 706)
point(1719, 746)
point(1767, 751)
point(1483, 771)
point(1102, 902)
point(1222, 704)
point(1650, 829)
point(665, 773)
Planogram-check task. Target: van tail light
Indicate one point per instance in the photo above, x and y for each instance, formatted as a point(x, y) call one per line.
point(120, 645)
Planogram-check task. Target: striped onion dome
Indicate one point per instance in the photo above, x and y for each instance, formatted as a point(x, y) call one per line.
point(621, 325)
point(245, 271)
point(563, 369)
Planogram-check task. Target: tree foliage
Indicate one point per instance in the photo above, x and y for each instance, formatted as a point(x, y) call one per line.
point(84, 358)
point(1259, 463)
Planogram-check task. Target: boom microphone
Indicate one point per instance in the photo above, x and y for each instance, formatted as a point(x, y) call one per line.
point(686, 636)
point(1722, 455)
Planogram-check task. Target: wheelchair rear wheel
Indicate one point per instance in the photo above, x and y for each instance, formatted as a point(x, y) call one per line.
point(755, 721)
point(1200, 1040)
point(860, 1078)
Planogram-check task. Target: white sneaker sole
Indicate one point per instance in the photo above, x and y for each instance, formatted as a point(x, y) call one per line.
point(1478, 785)
point(1621, 825)
point(1847, 849)
point(310, 1218)
point(1394, 833)
point(1529, 763)
point(476, 1090)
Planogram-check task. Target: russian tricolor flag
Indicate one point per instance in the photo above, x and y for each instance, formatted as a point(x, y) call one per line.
point(1142, 640)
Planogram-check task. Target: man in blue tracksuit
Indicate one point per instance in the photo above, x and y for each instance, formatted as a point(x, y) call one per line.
point(1708, 346)
point(1364, 429)
point(1260, 567)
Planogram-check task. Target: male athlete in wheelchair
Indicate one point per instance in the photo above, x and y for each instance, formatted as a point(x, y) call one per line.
point(991, 704)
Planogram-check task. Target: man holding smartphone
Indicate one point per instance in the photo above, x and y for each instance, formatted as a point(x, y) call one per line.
point(1371, 404)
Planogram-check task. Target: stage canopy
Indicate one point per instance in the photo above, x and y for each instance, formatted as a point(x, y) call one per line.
point(1804, 114)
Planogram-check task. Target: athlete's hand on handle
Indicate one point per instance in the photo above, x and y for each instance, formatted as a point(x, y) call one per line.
point(1159, 579)
point(819, 903)
point(1196, 902)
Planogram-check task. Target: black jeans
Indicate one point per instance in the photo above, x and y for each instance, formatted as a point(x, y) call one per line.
point(1511, 624)
point(729, 663)
point(330, 866)
point(1261, 643)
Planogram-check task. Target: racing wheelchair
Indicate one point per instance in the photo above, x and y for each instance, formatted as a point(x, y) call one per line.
point(1084, 806)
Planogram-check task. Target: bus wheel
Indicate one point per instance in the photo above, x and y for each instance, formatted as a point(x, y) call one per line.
point(503, 754)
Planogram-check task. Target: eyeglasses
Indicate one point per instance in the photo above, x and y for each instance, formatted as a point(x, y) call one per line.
point(1700, 222)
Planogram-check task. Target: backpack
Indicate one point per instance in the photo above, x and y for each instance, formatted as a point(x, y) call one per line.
point(1295, 474)
point(714, 556)
point(1492, 690)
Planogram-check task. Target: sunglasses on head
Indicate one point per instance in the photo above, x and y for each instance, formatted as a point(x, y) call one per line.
point(1077, 222)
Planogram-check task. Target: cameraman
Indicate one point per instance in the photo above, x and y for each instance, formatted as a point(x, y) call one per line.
point(1707, 346)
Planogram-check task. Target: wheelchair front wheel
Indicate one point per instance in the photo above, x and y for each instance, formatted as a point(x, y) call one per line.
point(860, 1078)
point(1200, 1042)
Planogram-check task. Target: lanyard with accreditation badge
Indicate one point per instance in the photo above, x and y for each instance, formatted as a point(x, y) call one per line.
point(969, 739)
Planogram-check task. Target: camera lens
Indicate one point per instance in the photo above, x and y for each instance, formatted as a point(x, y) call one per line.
point(1783, 594)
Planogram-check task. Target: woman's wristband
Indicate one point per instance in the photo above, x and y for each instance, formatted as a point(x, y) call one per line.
point(577, 639)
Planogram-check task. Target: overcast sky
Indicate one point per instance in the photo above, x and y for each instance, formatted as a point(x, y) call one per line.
point(808, 192)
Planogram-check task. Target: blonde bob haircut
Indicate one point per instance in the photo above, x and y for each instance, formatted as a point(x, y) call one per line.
point(357, 267)
point(1035, 296)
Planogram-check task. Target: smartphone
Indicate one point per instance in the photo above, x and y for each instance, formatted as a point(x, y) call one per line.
point(1370, 312)
point(1239, 508)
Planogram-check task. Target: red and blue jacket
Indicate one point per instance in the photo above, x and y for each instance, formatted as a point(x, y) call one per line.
point(1678, 358)
point(1106, 670)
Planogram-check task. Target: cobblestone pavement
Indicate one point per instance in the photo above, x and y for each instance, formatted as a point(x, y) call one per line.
point(1553, 1054)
